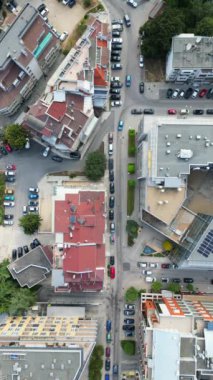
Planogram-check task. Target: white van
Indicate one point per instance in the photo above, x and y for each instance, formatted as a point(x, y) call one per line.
point(184, 111)
point(110, 149)
point(117, 27)
point(150, 279)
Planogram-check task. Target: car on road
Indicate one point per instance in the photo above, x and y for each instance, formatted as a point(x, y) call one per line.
point(8, 217)
point(8, 204)
point(115, 79)
point(127, 20)
point(115, 369)
point(115, 91)
point(108, 325)
point(46, 151)
point(111, 175)
point(14, 254)
point(33, 189)
point(112, 227)
point(9, 198)
point(120, 125)
point(181, 94)
point(57, 158)
point(116, 103)
point(209, 111)
point(11, 167)
point(188, 93)
point(112, 237)
point(111, 163)
point(107, 352)
point(108, 337)
point(75, 155)
point(128, 80)
point(136, 111)
point(147, 272)
point(195, 93)
point(141, 87)
point(10, 179)
point(129, 334)
point(175, 93)
point(172, 111)
point(116, 85)
point(63, 36)
point(209, 94)
point(115, 58)
point(129, 306)
point(148, 111)
point(202, 92)
point(198, 112)
point(129, 312)
point(111, 214)
point(165, 280)
point(128, 327)
point(10, 173)
point(33, 196)
point(115, 96)
point(112, 260)
point(111, 187)
point(141, 61)
point(132, 3)
point(32, 203)
point(176, 280)
point(36, 242)
point(188, 280)
point(111, 201)
point(33, 209)
point(112, 272)
point(107, 365)
point(129, 321)
point(165, 266)
point(169, 93)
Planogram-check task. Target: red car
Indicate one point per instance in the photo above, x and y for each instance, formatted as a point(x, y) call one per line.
point(8, 147)
point(107, 352)
point(112, 272)
point(202, 92)
point(172, 111)
point(165, 266)
point(11, 167)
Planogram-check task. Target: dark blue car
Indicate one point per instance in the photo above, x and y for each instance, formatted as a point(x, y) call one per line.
point(108, 325)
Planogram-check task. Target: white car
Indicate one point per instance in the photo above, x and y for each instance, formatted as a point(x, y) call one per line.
point(115, 79)
point(9, 204)
point(27, 144)
point(141, 63)
point(33, 189)
point(63, 36)
point(46, 151)
point(8, 222)
point(65, 2)
point(117, 40)
point(133, 3)
point(175, 93)
point(116, 103)
point(195, 93)
point(10, 173)
point(33, 209)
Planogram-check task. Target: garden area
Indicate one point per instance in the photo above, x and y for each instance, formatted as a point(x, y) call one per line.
point(2, 189)
point(128, 346)
point(132, 231)
point(131, 184)
point(96, 363)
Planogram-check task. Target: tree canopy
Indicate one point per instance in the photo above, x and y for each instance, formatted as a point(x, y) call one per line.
point(128, 346)
point(13, 299)
point(15, 135)
point(96, 363)
point(95, 165)
point(30, 223)
point(205, 27)
point(174, 287)
point(131, 294)
point(156, 287)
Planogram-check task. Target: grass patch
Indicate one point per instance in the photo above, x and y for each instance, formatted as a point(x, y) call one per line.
point(131, 143)
point(96, 363)
point(77, 33)
point(131, 294)
point(128, 347)
point(2, 190)
point(130, 196)
point(155, 70)
point(98, 8)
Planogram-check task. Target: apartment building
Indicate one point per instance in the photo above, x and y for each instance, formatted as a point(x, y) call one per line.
point(79, 249)
point(28, 48)
point(175, 173)
point(190, 59)
point(47, 347)
point(176, 337)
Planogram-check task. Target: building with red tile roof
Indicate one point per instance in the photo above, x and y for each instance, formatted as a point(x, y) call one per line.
point(79, 256)
point(28, 48)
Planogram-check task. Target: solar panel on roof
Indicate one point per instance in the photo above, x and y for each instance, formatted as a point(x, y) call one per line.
point(206, 246)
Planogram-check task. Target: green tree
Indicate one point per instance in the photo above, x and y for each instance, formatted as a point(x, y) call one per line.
point(87, 3)
point(190, 287)
point(21, 301)
point(131, 294)
point(30, 223)
point(95, 165)
point(205, 27)
point(156, 286)
point(173, 287)
point(128, 346)
point(158, 33)
point(132, 228)
point(15, 135)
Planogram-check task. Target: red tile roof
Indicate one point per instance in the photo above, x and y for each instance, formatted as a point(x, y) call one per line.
point(99, 77)
point(57, 110)
point(80, 217)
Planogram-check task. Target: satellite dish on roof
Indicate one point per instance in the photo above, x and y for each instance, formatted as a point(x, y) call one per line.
point(188, 47)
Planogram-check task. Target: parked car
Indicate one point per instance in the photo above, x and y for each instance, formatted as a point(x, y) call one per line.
point(181, 94)
point(112, 187)
point(20, 251)
point(165, 266)
point(111, 201)
point(132, 3)
point(112, 272)
point(129, 333)
point(108, 325)
point(108, 337)
point(141, 87)
point(10, 179)
point(57, 158)
point(3, 150)
point(107, 352)
point(115, 369)
point(110, 138)
point(32, 203)
point(46, 151)
point(112, 260)
point(127, 20)
point(111, 163)
point(25, 248)
point(153, 265)
point(188, 93)
point(33, 196)
point(33, 209)
point(116, 103)
point(8, 222)
point(136, 111)
point(165, 280)
point(117, 21)
point(10, 173)
point(141, 61)
point(116, 85)
point(120, 125)
point(111, 175)
point(11, 167)
point(115, 90)
point(129, 321)
point(8, 148)
point(202, 92)
point(147, 272)
point(115, 96)
point(14, 254)
point(111, 214)
point(142, 265)
point(32, 245)
point(195, 93)
point(188, 280)
point(27, 143)
point(115, 79)
point(169, 93)
point(8, 217)
point(117, 40)
point(198, 112)
point(128, 327)
point(128, 80)
point(175, 93)
point(8, 204)
point(148, 111)
point(209, 112)
point(172, 111)
point(36, 242)
point(9, 198)
point(176, 280)
point(116, 66)
point(75, 155)
point(116, 47)
point(115, 33)
point(33, 189)
point(9, 191)
point(63, 36)
point(112, 237)
point(115, 58)
point(107, 365)
point(129, 306)
point(209, 94)
point(129, 312)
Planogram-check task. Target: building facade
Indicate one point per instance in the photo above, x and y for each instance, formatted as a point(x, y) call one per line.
point(28, 48)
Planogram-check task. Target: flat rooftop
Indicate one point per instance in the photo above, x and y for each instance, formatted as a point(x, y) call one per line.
point(191, 52)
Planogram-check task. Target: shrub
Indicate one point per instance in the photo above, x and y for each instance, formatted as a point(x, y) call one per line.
point(132, 228)
point(128, 347)
point(156, 287)
point(95, 165)
point(167, 246)
point(130, 196)
point(131, 168)
point(96, 363)
point(131, 294)
point(87, 3)
point(173, 287)
point(131, 143)
point(30, 223)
